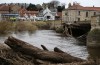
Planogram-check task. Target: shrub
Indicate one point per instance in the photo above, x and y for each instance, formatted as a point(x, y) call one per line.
point(25, 26)
point(6, 27)
point(59, 29)
point(41, 25)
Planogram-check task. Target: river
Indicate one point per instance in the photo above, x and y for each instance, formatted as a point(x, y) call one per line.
point(51, 39)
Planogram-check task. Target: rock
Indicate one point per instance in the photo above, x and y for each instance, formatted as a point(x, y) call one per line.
point(93, 38)
point(93, 43)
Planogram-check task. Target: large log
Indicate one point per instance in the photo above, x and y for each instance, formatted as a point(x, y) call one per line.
point(26, 48)
point(4, 61)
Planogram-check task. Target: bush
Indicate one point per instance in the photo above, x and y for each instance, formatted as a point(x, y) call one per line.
point(25, 26)
point(40, 25)
point(93, 38)
point(59, 29)
point(6, 27)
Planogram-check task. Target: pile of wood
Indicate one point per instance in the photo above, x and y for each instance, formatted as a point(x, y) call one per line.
point(43, 57)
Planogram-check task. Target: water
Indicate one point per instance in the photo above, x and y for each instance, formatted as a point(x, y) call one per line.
point(51, 39)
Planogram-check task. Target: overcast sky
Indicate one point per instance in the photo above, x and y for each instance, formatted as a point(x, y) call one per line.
point(82, 2)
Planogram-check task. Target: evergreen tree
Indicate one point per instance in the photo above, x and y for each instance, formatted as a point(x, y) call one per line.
point(32, 7)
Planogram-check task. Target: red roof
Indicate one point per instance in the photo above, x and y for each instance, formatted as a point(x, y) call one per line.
point(4, 8)
point(32, 12)
point(79, 7)
point(23, 11)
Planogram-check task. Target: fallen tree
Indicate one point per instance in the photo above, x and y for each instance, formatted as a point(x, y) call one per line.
point(26, 48)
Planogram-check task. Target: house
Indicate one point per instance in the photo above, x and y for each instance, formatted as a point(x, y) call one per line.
point(9, 12)
point(47, 14)
point(78, 13)
point(95, 21)
point(15, 9)
point(4, 9)
point(27, 15)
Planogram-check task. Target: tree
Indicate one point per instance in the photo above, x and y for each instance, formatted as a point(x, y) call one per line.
point(39, 7)
point(55, 3)
point(32, 7)
point(60, 8)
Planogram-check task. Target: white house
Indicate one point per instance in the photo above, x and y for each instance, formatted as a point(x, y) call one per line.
point(47, 14)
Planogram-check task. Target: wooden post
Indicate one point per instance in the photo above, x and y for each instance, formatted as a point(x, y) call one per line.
point(70, 30)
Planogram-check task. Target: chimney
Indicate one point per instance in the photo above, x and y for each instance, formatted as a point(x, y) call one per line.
point(69, 5)
point(74, 3)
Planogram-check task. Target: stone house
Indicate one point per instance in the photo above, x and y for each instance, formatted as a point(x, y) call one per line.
point(76, 12)
point(8, 11)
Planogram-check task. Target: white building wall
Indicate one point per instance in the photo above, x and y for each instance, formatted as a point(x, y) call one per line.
point(51, 16)
point(0, 17)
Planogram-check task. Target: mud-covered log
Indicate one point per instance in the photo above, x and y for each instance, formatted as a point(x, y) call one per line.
point(26, 48)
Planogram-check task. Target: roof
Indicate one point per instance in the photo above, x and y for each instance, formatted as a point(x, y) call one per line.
point(32, 12)
point(53, 10)
point(79, 7)
point(53, 13)
point(4, 8)
point(10, 14)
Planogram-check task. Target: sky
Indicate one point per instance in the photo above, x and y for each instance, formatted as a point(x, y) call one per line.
point(96, 3)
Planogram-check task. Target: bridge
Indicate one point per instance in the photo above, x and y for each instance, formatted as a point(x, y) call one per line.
point(77, 29)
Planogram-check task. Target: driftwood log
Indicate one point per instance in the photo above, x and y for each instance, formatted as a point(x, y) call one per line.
point(26, 48)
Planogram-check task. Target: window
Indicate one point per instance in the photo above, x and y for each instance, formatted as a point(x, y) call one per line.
point(78, 12)
point(78, 19)
point(48, 17)
point(66, 13)
point(87, 14)
point(94, 13)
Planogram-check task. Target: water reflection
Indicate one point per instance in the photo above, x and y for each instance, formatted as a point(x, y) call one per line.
point(50, 39)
